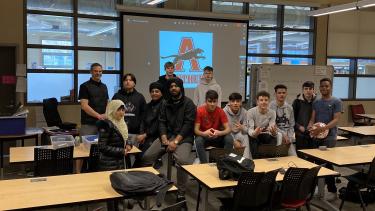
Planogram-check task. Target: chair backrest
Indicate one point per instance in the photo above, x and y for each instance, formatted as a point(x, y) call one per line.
point(270, 150)
point(254, 189)
point(51, 114)
point(371, 172)
point(357, 109)
point(49, 162)
point(299, 183)
point(43, 161)
point(64, 160)
point(216, 153)
point(93, 162)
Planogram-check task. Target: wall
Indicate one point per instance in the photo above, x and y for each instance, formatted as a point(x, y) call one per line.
point(11, 19)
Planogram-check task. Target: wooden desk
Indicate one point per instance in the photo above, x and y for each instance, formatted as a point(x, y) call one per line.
point(208, 175)
point(360, 130)
point(59, 190)
point(367, 116)
point(30, 133)
point(26, 154)
point(344, 156)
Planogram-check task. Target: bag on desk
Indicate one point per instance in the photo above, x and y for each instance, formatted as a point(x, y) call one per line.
point(140, 184)
point(232, 166)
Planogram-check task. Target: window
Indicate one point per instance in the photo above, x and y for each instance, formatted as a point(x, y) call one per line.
point(227, 7)
point(57, 63)
point(280, 34)
point(353, 77)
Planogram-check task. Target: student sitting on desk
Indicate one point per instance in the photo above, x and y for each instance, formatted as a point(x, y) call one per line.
point(113, 134)
point(238, 123)
point(211, 127)
point(261, 123)
point(284, 118)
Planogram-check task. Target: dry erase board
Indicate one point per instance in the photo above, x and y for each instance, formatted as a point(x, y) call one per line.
point(267, 76)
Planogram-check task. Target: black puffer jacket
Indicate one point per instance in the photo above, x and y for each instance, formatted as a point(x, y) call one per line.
point(111, 146)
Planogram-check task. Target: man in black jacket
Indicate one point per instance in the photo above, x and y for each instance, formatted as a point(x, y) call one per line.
point(176, 126)
point(302, 107)
point(134, 105)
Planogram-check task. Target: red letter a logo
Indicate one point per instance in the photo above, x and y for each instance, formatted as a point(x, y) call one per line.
point(185, 52)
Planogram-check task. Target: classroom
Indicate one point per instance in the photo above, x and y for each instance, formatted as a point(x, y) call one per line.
point(176, 88)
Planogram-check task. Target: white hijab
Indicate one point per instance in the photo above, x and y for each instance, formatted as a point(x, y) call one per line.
point(112, 107)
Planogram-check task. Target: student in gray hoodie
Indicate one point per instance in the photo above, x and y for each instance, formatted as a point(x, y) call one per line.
point(284, 117)
point(237, 118)
point(206, 83)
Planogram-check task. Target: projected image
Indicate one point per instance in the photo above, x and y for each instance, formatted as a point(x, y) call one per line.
point(189, 51)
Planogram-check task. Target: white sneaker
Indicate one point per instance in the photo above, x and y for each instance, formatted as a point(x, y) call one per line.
point(196, 161)
point(331, 197)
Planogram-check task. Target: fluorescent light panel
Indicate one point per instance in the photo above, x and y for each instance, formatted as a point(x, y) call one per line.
point(153, 2)
point(343, 8)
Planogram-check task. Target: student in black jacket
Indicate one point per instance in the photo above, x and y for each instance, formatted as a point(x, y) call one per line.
point(169, 73)
point(150, 124)
point(176, 126)
point(134, 104)
point(113, 134)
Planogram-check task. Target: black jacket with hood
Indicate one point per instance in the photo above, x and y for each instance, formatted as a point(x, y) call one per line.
point(177, 116)
point(134, 108)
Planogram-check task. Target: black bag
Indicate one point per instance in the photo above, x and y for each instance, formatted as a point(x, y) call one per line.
point(140, 184)
point(232, 166)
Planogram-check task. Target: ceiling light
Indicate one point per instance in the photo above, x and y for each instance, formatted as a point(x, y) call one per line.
point(153, 2)
point(342, 8)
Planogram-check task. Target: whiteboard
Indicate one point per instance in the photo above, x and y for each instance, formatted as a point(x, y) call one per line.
point(264, 77)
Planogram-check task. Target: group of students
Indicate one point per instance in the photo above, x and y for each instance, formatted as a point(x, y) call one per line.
point(173, 122)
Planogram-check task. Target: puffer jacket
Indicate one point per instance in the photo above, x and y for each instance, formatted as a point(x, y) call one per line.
point(111, 146)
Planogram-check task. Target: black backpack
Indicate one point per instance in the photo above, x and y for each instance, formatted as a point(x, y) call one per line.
point(139, 184)
point(232, 166)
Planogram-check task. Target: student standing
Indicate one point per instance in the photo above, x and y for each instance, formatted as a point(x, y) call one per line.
point(206, 83)
point(169, 73)
point(327, 110)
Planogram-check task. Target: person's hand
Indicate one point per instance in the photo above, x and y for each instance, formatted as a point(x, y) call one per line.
point(238, 126)
point(101, 117)
point(316, 130)
point(258, 130)
point(237, 144)
point(141, 138)
point(208, 133)
point(285, 139)
point(301, 129)
point(127, 149)
point(216, 133)
point(171, 146)
point(273, 130)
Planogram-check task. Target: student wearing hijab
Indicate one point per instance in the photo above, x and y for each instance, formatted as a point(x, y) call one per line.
point(113, 134)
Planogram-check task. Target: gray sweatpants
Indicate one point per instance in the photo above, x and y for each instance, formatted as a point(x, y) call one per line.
point(182, 154)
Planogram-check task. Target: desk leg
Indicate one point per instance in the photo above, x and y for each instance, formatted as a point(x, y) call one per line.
point(324, 204)
point(2, 159)
point(23, 142)
point(169, 166)
point(204, 200)
point(37, 140)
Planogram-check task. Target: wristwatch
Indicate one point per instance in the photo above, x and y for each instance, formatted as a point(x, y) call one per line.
point(176, 142)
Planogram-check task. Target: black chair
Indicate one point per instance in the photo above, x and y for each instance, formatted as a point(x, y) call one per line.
point(216, 153)
point(271, 151)
point(93, 160)
point(254, 191)
point(298, 187)
point(174, 207)
point(52, 116)
point(358, 181)
point(50, 162)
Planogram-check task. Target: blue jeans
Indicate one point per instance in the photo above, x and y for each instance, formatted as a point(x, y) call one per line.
point(201, 143)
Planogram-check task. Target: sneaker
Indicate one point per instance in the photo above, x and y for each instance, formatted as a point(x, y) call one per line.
point(158, 164)
point(331, 196)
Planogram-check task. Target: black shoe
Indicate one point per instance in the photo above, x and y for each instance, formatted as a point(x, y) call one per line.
point(158, 163)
